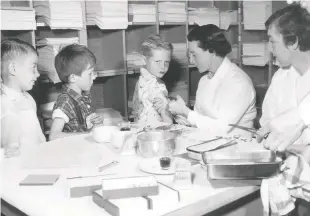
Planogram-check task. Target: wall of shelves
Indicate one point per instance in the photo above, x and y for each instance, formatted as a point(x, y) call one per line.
point(115, 85)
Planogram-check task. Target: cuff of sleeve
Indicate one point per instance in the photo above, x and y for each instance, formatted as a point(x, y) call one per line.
point(192, 117)
point(58, 113)
point(304, 113)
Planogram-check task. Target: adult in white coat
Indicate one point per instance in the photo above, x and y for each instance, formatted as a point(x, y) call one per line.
point(286, 107)
point(225, 94)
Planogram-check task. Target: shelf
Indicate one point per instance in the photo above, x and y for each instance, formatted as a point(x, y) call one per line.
point(107, 73)
point(141, 23)
point(171, 23)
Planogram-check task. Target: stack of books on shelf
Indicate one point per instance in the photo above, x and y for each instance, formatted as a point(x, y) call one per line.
point(19, 18)
point(59, 15)
point(134, 60)
point(255, 54)
point(228, 18)
point(204, 16)
point(179, 53)
point(172, 11)
point(255, 13)
point(107, 14)
point(142, 13)
point(48, 49)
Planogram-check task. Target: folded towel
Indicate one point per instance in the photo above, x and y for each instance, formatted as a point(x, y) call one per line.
point(278, 193)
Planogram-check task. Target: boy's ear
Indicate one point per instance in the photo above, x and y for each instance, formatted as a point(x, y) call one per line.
point(12, 68)
point(72, 78)
point(143, 59)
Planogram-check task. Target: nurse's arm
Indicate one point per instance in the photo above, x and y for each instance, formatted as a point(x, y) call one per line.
point(233, 106)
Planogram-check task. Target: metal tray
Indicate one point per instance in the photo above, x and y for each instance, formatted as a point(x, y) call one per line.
point(239, 156)
point(195, 151)
point(241, 165)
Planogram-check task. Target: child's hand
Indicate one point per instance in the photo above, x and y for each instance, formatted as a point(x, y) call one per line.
point(94, 119)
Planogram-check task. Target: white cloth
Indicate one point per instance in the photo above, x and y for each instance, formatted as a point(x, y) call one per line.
point(279, 192)
point(285, 94)
point(147, 89)
point(21, 130)
point(227, 98)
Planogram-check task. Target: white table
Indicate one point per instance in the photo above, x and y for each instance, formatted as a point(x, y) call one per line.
point(204, 197)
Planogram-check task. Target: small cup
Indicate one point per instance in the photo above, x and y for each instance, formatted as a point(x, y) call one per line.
point(165, 162)
point(125, 125)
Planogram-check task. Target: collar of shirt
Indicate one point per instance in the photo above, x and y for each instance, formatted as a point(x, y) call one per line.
point(222, 70)
point(147, 75)
point(11, 93)
point(85, 97)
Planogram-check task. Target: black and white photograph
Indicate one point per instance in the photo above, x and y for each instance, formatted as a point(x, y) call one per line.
point(155, 108)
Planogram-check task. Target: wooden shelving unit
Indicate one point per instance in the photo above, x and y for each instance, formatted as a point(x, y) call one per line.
point(115, 83)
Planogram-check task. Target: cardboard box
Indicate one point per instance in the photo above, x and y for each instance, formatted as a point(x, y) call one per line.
point(124, 206)
point(115, 188)
point(166, 196)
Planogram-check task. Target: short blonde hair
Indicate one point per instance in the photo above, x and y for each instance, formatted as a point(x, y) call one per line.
point(155, 42)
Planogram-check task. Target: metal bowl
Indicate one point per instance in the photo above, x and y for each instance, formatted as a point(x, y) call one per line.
point(156, 143)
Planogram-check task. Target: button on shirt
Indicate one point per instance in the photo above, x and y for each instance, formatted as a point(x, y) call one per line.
point(227, 98)
point(288, 92)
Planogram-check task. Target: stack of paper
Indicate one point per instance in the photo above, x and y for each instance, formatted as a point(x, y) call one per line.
point(179, 53)
point(253, 19)
point(228, 18)
point(107, 14)
point(204, 16)
point(142, 12)
point(18, 18)
point(255, 54)
point(59, 15)
point(134, 60)
point(48, 49)
point(172, 11)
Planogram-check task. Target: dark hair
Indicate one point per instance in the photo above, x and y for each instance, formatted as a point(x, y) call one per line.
point(293, 23)
point(211, 38)
point(13, 48)
point(73, 59)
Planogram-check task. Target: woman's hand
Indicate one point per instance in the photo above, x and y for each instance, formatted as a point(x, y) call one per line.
point(280, 140)
point(178, 107)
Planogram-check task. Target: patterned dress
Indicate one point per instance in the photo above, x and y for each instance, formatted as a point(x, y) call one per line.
point(147, 89)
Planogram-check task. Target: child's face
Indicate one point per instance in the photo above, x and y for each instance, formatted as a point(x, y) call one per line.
point(85, 81)
point(25, 71)
point(158, 63)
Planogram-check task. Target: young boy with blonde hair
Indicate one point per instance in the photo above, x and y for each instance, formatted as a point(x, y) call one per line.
point(20, 128)
point(157, 56)
point(72, 112)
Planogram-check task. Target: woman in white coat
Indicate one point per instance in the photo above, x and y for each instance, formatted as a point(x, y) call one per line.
point(225, 94)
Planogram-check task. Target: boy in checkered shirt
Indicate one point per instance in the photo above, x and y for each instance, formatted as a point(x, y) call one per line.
point(72, 111)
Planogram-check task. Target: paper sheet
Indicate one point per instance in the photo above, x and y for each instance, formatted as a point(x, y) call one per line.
point(69, 152)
